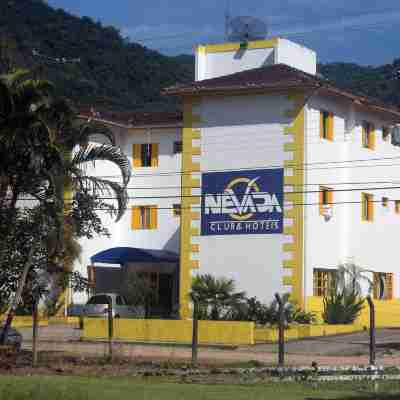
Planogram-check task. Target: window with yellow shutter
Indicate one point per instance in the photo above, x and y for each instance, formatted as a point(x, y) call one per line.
point(367, 207)
point(324, 281)
point(145, 155)
point(383, 286)
point(326, 125)
point(325, 199)
point(144, 217)
point(368, 136)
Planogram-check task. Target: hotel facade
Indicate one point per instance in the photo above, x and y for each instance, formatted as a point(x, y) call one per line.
point(272, 176)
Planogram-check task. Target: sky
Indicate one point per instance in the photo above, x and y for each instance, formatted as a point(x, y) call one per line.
point(360, 31)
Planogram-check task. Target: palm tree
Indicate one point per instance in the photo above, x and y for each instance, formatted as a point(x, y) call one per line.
point(215, 294)
point(44, 152)
point(350, 278)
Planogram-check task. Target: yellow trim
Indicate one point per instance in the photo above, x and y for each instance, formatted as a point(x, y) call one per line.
point(387, 312)
point(135, 218)
point(288, 230)
point(194, 232)
point(288, 264)
point(329, 198)
point(288, 213)
point(196, 134)
point(367, 207)
point(196, 151)
point(195, 248)
point(227, 47)
point(288, 247)
point(195, 183)
point(154, 155)
point(290, 180)
point(171, 331)
point(287, 281)
point(195, 216)
point(297, 213)
point(137, 158)
point(289, 147)
point(188, 183)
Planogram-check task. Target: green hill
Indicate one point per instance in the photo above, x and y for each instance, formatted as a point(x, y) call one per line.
point(102, 69)
point(111, 72)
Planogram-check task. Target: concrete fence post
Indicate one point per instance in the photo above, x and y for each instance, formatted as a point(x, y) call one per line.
point(372, 331)
point(110, 329)
point(281, 340)
point(35, 325)
point(195, 333)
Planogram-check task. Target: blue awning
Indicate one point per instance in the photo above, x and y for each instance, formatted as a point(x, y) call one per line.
point(123, 255)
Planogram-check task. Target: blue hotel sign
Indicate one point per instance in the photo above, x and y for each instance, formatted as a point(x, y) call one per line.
point(242, 202)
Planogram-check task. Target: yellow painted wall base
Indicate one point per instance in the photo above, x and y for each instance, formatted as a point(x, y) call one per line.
point(167, 331)
point(25, 322)
point(387, 312)
point(64, 320)
point(263, 335)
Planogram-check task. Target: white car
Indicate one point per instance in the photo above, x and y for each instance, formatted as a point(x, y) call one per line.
point(97, 306)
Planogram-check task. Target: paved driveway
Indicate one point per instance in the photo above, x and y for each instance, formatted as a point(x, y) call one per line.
point(345, 349)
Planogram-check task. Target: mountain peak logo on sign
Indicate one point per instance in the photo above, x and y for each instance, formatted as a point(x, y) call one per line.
point(249, 202)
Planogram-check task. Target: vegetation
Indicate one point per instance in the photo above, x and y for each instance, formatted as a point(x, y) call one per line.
point(44, 152)
point(67, 388)
point(344, 302)
point(109, 72)
point(140, 293)
point(216, 297)
point(218, 300)
point(105, 70)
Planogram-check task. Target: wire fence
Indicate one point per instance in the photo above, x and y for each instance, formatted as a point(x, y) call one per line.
point(63, 342)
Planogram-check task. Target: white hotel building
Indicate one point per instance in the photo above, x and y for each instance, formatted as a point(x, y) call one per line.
point(282, 177)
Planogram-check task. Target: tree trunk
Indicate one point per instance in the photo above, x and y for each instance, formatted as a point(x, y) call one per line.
point(18, 296)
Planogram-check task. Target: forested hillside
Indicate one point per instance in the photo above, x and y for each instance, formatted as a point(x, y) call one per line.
point(95, 66)
point(110, 72)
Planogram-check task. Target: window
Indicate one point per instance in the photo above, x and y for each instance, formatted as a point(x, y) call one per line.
point(145, 155)
point(385, 202)
point(177, 147)
point(144, 217)
point(383, 286)
point(324, 281)
point(99, 300)
point(367, 207)
point(326, 125)
point(368, 136)
point(385, 133)
point(325, 198)
point(397, 206)
point(177, 210)
point(119, 301)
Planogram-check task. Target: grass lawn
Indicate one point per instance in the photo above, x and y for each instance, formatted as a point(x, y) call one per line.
point(66, 388)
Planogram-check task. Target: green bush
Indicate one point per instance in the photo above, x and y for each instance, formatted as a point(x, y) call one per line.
point(342, 307)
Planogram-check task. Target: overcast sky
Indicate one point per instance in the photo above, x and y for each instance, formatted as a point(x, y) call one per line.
point(362, 31)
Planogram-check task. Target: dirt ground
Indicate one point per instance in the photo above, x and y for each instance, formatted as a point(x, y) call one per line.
point(336, 350)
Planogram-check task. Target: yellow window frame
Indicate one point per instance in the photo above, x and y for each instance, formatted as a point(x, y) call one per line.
point(325, 198)
point(367, 207)
point(326, 125)
point(368, 136)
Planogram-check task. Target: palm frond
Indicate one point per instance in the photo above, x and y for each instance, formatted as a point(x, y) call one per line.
point(87, 130)
point(93, 153)
point(100, 186)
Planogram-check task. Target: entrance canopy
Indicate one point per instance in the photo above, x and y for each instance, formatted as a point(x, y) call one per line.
point(125, 255)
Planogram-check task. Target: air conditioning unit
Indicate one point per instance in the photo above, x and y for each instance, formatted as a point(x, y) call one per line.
point(327, 211)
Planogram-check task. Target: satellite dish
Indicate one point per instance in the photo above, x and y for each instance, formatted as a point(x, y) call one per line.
point(244, 29)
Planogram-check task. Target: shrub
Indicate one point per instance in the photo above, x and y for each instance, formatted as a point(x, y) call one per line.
point(342, 307)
